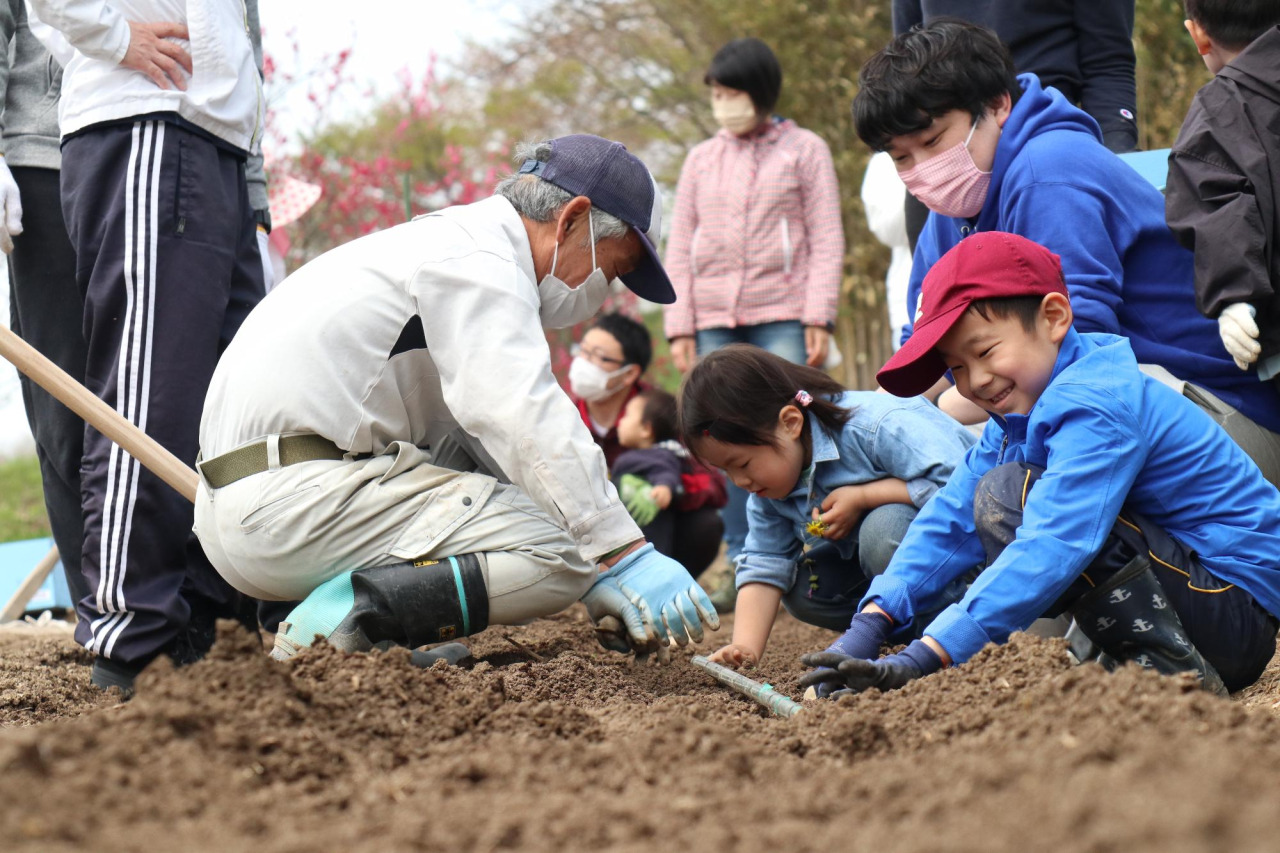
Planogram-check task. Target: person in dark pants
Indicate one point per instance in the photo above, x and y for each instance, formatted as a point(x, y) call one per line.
point(44, 304)
point(1088, 494)
point(1082, 48)
point(156, 201)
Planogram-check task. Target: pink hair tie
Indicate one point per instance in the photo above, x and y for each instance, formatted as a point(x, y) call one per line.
point(803, 397)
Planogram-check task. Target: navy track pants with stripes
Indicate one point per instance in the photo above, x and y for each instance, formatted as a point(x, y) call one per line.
point(167, 262)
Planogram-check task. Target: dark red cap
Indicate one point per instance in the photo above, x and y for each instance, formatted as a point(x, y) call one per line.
point(987, 265)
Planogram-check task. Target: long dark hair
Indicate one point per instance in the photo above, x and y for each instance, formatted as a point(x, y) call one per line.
point(734, 395)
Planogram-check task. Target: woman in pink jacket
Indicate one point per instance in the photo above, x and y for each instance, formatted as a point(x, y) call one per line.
point(756, 248)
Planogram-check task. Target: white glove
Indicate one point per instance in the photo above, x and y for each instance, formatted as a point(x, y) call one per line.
point(1240, 333)
point(268, 272)
point(11, 226)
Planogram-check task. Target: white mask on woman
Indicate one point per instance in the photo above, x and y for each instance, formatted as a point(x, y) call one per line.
point(589, 381)
point(736, 114)
point(562, 306)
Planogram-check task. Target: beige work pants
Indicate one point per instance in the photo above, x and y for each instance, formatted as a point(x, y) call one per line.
point(280, 534)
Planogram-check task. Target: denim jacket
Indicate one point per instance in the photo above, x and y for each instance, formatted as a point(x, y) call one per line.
point(885, 437)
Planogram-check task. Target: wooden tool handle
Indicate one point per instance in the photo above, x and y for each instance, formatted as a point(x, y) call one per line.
point(17, 603)
point(102, 417)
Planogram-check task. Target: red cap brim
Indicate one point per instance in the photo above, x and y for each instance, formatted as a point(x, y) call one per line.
point(916, 366)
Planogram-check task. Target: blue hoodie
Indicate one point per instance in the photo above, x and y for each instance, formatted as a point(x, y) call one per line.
point(1108, 437)
point(1053, 182)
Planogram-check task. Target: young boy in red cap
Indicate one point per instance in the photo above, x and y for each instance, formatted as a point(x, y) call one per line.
point(1095, 490)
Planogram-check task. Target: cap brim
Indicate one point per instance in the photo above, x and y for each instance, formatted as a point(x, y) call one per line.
point(916, 366)
point(649, 280)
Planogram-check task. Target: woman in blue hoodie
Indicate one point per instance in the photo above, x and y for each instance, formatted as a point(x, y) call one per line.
point(988, 150)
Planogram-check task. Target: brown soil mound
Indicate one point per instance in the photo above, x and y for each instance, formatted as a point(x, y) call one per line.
point(582, 751)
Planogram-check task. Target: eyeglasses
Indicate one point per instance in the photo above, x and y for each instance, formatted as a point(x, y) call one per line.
point(596, 356)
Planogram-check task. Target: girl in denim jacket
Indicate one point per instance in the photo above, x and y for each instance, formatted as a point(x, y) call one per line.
point(835, 478)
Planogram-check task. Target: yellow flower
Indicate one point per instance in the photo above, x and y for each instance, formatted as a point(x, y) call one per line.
point(816, 527)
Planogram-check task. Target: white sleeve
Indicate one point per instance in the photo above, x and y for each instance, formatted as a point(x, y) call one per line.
point(480, 316)
point(883, 197)
point(92, 27)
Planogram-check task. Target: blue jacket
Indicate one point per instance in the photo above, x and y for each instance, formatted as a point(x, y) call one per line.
point(1107, 436)
point(885, 437)
point(1053, 182)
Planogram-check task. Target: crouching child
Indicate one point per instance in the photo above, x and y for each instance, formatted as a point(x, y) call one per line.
point(1095, 491)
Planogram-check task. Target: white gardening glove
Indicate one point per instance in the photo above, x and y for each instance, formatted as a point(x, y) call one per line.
point(12, 208)
point(268, 272)
point(1239, 333)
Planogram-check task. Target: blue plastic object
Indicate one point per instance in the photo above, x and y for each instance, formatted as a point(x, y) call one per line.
point(17, 559)
point(1151, 165)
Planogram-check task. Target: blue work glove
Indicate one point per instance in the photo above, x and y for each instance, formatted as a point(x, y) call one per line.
point(867, 632)
point(667, 596)
point(890, 673)
point(636, 494)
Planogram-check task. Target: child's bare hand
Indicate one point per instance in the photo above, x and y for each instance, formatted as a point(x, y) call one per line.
point(735, 655)
point(841, 511)
point(661, 496)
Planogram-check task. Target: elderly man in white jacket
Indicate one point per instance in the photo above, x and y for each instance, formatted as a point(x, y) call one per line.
point(385, 438)
point(161, 105)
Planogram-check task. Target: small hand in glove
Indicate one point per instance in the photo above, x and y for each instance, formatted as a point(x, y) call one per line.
point(867, 632)
point(11, 203)
point(856, 675)
point(1239, 333)
point(636, 494)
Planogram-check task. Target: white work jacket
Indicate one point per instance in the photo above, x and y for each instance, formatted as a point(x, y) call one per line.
point(407, 335)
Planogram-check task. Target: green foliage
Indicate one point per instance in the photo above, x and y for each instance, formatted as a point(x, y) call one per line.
point(22, 513)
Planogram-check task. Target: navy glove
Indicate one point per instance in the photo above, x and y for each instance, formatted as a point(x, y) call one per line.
point(667, 596)
point(890, 673)
point(620, 627)
point(867, 632)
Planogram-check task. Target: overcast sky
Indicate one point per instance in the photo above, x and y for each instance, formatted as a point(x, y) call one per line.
point(385, 36)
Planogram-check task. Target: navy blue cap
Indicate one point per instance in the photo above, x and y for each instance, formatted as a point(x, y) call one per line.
point(619, 184)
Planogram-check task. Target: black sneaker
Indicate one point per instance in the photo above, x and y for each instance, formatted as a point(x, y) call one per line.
point(106, 673)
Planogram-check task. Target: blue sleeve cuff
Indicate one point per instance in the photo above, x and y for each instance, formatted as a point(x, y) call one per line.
point(921, 489)
point(958, 633)
point(893, 596)
point(767, 569)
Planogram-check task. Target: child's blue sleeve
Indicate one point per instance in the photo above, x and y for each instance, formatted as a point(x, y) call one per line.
point(941, 544)
point(1094, 455)
point(772, 548)
point(920, 446)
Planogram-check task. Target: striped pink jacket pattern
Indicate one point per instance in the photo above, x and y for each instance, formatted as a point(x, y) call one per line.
point(756, 235)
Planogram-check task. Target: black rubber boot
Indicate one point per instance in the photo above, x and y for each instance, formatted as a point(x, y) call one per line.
point(106, 673)
point(1131, 621)
point(405, 604)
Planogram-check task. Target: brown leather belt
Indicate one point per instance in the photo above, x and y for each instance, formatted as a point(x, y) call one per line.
point(252, 458)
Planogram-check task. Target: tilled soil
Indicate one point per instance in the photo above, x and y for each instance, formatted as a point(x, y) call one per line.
point(583, 751)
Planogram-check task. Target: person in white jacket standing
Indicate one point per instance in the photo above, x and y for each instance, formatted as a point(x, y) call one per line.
point(161, 105)
point(385, 438)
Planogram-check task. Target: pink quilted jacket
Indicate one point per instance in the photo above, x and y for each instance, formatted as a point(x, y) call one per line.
point(756, 235)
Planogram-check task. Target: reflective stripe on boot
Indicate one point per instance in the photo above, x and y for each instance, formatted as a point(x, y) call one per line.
point(404, 604)
point(1132, 621)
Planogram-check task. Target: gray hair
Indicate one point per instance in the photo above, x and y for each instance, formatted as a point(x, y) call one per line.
point(541, 201)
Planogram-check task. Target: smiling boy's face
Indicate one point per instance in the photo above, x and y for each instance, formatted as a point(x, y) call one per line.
point(1001, 365)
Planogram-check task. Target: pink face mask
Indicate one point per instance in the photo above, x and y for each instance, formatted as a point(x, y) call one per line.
point(950, 183)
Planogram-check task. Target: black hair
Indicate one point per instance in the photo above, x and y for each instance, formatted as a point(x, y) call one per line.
point(1234, 24)
point(734, 395)
point(926, 72)
point(1025, 308)
point(659, 414)
point(632, 336)
point(748, 65)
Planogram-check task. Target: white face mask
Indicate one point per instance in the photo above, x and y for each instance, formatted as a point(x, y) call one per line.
point(590, 381)
point(735, 114)
point(563, 306)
